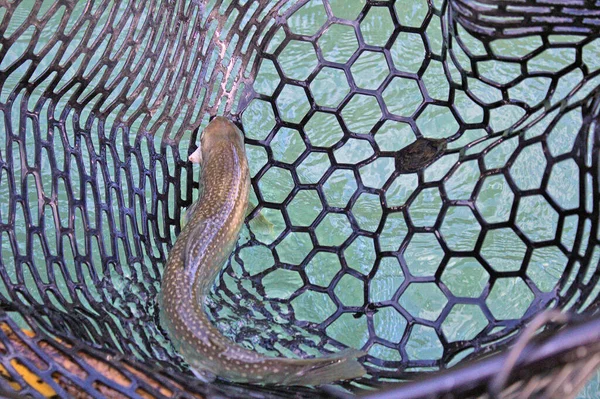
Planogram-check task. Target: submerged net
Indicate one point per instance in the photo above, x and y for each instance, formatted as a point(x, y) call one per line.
point(428, 172)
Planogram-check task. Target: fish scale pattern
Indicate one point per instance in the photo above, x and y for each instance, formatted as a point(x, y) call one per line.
point(424, 174)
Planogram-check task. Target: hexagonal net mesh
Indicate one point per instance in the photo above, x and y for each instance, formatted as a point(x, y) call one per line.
point(425, 175)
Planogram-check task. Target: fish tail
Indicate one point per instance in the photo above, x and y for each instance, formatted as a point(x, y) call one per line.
point(342, 365)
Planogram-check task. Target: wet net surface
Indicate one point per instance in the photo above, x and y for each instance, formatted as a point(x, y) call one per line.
point(430, 180)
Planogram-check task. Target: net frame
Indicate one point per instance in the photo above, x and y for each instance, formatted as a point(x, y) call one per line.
point(234, 69)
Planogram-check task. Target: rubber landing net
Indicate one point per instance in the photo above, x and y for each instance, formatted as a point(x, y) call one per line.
point(395, 146)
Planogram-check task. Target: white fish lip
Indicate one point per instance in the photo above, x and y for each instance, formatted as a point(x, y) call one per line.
point(196, 156)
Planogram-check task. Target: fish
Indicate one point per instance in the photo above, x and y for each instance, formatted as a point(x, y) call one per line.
point(203, 246)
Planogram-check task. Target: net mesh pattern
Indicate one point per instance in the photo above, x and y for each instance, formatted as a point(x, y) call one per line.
point(394, 147)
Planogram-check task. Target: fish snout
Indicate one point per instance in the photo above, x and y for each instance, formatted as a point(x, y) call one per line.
point(218, 130)
point(220, 126)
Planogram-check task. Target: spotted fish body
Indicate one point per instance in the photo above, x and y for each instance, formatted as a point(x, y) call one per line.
point(203, 246)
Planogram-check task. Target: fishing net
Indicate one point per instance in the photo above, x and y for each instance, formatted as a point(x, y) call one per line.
point(424, 174)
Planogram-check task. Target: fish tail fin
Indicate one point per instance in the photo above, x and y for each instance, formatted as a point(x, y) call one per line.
point(342, 365)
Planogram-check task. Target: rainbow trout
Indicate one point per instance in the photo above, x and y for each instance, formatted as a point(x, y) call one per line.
point(203, 246)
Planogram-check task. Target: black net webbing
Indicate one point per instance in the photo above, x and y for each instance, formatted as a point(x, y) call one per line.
point(425, 175)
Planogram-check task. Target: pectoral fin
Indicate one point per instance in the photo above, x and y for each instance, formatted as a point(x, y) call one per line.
point(204, 375)
point(259, 221)
point(188, 214)
point(190, 211)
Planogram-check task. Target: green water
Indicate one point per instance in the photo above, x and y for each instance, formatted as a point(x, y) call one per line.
point(502, 248)
point(419, 254)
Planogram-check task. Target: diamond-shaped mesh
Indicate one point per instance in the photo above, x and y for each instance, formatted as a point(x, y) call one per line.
point(427, 172)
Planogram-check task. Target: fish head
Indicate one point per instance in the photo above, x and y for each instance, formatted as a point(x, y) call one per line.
point(220, 131)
